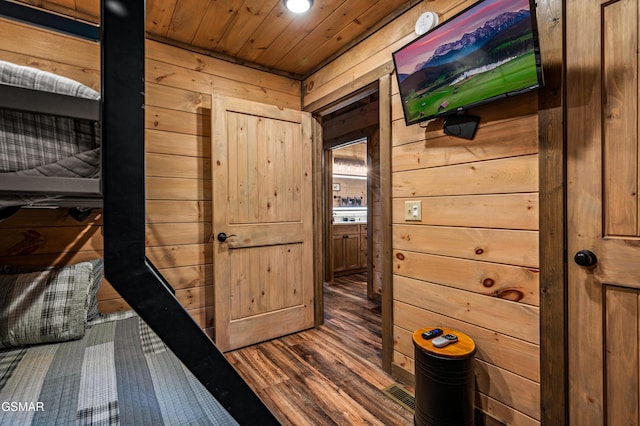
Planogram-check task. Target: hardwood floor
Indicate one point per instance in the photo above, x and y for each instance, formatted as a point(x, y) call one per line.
point(329, 375)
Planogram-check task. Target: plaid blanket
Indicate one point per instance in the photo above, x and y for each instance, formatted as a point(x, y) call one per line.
point(120, 372)
point(30, 140)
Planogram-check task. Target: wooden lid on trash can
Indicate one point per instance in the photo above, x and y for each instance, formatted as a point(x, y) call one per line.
point(463, 348)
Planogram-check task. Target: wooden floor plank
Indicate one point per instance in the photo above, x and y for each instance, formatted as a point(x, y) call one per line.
point(330, 375)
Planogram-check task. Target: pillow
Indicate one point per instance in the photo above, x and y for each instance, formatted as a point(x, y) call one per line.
point(44, 307)
point(34, 78)
point(95, 280)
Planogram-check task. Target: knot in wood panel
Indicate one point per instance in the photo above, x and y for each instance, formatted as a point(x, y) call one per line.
point(488, 282)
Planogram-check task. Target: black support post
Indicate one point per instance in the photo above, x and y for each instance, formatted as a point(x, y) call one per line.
point(123, 173)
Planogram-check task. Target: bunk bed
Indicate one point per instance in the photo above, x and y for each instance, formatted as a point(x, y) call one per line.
point(44, 157)
point(158, 365)
point(49, 135)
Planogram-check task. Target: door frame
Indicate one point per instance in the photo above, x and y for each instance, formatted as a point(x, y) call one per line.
point(380, 82)
point(552, 215)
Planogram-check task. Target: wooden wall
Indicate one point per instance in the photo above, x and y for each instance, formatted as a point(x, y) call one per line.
point(472, 262)
point(179, 207)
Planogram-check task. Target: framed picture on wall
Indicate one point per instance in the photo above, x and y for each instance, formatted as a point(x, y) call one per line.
point(336, 187)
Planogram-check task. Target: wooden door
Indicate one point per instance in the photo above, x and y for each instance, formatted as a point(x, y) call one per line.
point(352, 251)
point(262, 200)
point(603, 211)
point(338, 254)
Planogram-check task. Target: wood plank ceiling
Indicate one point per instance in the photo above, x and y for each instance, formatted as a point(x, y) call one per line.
point(261, 33)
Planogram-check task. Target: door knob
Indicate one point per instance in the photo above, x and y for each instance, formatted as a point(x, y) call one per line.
point(222, 237)
point(585, 258)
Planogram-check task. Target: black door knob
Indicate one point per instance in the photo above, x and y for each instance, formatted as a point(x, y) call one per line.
point(585, 258)
point(222, 237)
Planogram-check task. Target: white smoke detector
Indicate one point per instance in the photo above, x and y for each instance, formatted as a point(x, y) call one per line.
point(425, 22)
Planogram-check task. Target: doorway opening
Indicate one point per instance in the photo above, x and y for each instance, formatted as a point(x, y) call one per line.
point(352, 200)
point(349, 211)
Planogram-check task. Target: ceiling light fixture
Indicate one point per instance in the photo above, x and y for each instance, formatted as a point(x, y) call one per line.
point(298, 6)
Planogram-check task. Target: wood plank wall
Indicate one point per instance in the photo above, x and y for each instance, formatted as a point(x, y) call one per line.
point(472, 262)
point(178, 138)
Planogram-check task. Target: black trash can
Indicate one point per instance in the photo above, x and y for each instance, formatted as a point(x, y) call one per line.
point(444, 380)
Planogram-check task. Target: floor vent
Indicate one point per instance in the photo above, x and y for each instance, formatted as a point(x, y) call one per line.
point(401, 396)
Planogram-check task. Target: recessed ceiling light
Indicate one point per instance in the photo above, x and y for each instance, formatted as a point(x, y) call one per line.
point(298, 6)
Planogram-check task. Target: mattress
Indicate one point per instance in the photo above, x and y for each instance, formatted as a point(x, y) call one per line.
point(120, 372)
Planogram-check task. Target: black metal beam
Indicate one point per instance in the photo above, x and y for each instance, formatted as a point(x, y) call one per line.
point(123, 173)
point(49, 185)
point(50, 21)
point(49, 103)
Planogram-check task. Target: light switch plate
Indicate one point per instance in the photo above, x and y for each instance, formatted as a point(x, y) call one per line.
point(413, 210)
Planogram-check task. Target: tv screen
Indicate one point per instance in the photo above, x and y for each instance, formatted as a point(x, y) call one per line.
point(486, 52)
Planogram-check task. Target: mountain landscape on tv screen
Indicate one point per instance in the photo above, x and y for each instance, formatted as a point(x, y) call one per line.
point(507, 35)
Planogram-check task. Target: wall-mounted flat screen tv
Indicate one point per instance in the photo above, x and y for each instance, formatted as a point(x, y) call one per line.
point(484, 53)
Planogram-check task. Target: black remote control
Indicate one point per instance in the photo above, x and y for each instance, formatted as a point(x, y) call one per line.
point(431, 333)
